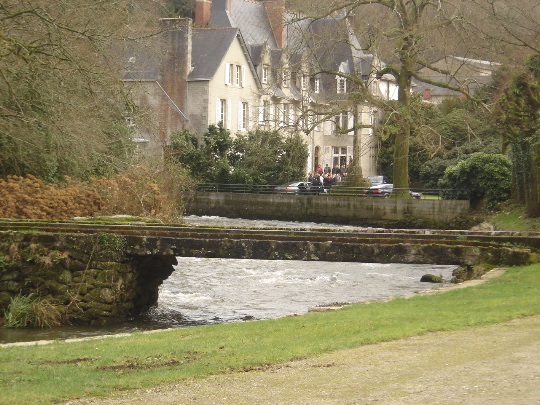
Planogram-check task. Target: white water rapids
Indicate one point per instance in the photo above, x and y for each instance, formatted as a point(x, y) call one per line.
point(202, 291)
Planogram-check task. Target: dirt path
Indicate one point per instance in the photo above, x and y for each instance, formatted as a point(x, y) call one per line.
point(497, 364)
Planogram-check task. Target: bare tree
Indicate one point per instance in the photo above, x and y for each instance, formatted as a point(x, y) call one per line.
point(62, 103)
point(409, 35)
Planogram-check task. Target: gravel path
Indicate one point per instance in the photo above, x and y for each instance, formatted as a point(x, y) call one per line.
point(497, 364)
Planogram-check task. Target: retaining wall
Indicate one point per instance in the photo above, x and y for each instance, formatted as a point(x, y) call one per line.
point(324, 208)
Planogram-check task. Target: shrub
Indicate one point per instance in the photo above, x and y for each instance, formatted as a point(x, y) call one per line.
point(29, 197)
point(150, 190)
point(485, 179)
point(31, 311)
point(153, 190)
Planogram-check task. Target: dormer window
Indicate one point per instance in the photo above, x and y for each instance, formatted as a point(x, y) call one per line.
point(317, 85)
point(285, 78)
point(265, 74)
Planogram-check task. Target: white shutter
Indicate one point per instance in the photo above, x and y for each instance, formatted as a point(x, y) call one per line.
point(243, 76)
point(228, 73)
point(271, 116)
point(218, 110)
point(248, 120)
point(240, 115)
point(229, 114)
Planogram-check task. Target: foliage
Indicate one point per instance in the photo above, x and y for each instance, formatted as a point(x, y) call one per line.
point(258, 157)
point(485, 179)
point(266, 157)
point(518, 114)
point(31, 311)
point(62, 105)
point(442, 136)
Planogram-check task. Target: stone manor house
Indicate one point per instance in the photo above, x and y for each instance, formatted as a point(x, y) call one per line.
point(252, 64)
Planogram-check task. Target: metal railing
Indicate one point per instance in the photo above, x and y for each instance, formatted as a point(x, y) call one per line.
point(437, 194)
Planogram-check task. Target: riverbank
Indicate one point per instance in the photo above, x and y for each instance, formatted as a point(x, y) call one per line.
point(63, 373)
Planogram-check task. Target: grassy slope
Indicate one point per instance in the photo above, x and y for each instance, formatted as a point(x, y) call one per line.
point(60, 371)
point(512, 218)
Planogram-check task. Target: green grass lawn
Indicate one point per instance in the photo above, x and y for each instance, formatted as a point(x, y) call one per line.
point(62, 371)
point(513, 218)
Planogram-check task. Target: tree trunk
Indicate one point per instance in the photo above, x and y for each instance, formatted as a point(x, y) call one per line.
point(401, 149)
point(532, 200)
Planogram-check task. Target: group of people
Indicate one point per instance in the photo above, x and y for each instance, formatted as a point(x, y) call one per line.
point(328, 176)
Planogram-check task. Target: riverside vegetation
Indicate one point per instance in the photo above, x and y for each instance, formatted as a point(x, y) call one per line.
point(97, 367)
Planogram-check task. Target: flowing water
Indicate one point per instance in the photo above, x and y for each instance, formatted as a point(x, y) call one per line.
point(203, 291)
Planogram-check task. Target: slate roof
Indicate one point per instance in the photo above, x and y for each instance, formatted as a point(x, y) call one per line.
point(209, 48)
point(248, 15)
point(139, 62)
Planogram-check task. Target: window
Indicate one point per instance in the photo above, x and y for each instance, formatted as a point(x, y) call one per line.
point(238, 75)
point(317, 85)
point(292, 115)
point(243, 114)
point(263, 112)
point(303, 82)
point(341, 85)
point(342, 121)
point(282, 114)
point(265, 74)
point(285, 78)
point(339, 156)
point(223, 112)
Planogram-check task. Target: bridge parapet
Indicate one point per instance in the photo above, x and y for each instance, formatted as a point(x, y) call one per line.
point(104, 273)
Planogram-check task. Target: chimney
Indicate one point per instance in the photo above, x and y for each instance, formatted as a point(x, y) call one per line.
point(275, 9)
point(427, 94)
point(203, 11)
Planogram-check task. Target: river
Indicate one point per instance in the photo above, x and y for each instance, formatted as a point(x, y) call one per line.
point(203, 291)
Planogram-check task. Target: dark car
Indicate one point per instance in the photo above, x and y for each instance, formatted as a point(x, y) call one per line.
point(298, 187)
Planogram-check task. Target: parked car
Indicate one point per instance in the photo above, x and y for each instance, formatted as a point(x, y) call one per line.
point(380, 188)
point(298, 187)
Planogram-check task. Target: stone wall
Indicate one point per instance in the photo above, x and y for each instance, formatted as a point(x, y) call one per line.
point(88, 276)
point(324, 208)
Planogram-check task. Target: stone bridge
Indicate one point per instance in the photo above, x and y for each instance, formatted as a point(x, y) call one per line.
point(102, 273)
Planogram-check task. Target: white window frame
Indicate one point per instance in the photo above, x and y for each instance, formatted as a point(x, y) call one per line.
point(238, 76)
point(317, 85)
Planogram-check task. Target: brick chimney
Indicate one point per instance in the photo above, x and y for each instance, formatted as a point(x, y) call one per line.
point(275, 9)
point(427, 94)
point(203, 11)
